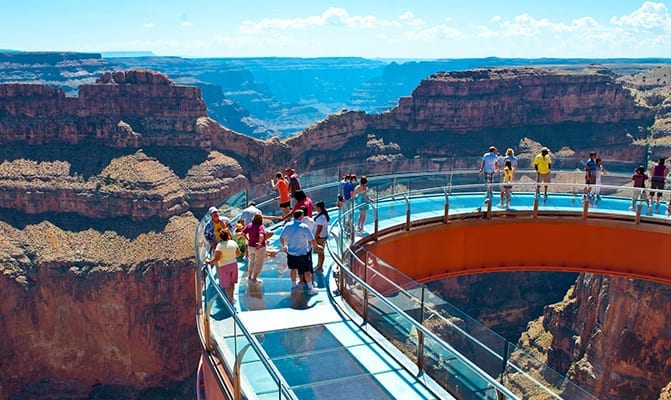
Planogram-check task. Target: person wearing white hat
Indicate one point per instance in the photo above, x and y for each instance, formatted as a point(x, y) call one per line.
point(214, 227)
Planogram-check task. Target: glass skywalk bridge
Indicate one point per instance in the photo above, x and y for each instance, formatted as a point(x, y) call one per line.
point(368, 333)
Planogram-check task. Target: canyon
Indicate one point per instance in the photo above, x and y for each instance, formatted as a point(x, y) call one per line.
point(102, 192)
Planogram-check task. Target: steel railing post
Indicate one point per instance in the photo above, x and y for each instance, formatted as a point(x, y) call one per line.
point(407, 213)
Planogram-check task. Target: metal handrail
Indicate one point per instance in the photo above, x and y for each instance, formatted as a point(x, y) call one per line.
point(421, 328)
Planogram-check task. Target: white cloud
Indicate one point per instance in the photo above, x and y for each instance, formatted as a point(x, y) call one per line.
point(333, 16)
point(186, 24)
point(148, 25)
point(649, 16)
point(409, 19)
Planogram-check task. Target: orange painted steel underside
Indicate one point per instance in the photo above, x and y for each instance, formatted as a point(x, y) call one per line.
point(611, 247)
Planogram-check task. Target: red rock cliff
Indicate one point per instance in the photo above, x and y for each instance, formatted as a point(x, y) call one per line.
point(610, 335)
point(90, 308)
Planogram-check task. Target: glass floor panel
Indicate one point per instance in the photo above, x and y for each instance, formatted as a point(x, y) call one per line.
point(316, 364)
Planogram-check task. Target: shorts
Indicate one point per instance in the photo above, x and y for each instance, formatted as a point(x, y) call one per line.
point(590, 179)
point(507, 186)
point(543, 178)
point(321, 242)
point(228, 275)
point(286, 204)
point(656, 184)
point(302, 263)
point(489, 177)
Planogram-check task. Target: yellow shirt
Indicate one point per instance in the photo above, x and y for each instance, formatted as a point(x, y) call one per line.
point(508, 175)
point(542, 163)
point(218, 228)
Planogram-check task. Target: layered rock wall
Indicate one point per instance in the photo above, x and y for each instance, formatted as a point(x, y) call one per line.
point(125, 109)
point(470, 101)
point(135, 186)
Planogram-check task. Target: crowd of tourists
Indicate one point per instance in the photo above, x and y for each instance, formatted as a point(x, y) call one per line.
point(304, 233)
point(493, 165)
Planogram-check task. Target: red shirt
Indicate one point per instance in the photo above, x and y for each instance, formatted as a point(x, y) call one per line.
point(639, 180)
point(308, 205)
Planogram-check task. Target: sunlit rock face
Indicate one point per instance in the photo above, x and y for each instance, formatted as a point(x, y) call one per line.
point(87, 308)
point(610, 335)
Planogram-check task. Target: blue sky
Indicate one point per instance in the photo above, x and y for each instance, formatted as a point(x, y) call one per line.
point(373, 29)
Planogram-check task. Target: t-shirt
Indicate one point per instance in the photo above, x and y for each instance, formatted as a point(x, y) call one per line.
point(283, 188)
point(219, 227)
point(253, 233)
point(542, 163)
point(347, 189)
point(321, 221)
point(297, 237)
point(294, 184)
point(658, 173)
point(228, 250)
point(590, 166)
point(639, 180)
point(248, 214)
point(307, 203)
point(489, 159)
point(512, 159)
point(508, 174)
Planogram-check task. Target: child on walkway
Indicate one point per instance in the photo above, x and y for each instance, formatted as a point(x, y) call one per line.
point(508, 176)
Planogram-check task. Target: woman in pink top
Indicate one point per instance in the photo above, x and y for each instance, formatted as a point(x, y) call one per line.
point(256, 247)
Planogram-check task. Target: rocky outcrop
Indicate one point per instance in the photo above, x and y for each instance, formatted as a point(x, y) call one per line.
point(96, 308)
point(136, 186)
point(504, 302)
point(459, 111)
point(216, 178)
point(610, 336)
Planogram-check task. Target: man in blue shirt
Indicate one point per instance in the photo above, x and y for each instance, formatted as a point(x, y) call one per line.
point(490, 164)
point(297, 241)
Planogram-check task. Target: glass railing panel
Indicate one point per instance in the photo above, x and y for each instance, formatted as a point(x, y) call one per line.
point(394, 326)
point(353, 292)
point(457, 376)
point(315, 178)
point(466, 188)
